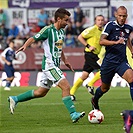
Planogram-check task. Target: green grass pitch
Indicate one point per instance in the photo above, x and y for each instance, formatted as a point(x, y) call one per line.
point(49, 115)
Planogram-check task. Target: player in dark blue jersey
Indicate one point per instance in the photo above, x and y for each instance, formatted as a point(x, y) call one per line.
point(8, 55)
point(115, 38)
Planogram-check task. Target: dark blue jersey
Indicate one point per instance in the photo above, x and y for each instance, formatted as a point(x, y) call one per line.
point(9, 54)
point(116, 53)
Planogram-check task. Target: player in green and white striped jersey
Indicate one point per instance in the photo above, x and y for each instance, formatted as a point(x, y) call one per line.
point(53, 38)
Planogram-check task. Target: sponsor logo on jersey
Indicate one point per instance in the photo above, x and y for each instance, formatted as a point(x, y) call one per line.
point(37, 35)
point(59, 44)
point(127, 30)
point(122, 34)
point(117, 29)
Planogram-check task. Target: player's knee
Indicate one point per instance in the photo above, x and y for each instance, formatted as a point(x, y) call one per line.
point(12, 79)
point(39, 93)
point(130, 79)
point(105, 89)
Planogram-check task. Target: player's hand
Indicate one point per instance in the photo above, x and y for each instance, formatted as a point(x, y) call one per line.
point(91, 48)
point(69, 66)
point(120, 41)
point(8, 63)
point(21, 49)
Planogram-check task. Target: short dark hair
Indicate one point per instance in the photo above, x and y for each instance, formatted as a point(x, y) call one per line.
point(61, 12)
point(11, 41)
point(98, 16)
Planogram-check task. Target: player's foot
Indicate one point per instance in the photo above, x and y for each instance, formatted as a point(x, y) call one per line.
point(128, 121)
point(94, 104)
point(12, 104)
point(7, 89)
point(73, 98)
point(90, 89)
point(76, 116)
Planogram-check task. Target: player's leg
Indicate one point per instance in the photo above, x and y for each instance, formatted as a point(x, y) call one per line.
point(95, 78)
point(10, 76)
point(95, 66)
point(126, 72)
point(79, 82)
point(86, 70)
point(107, 74)
point(98, 94)
point(66, 98)
point(90, 85)
point(60, 80)
point(128, 76)
point(45, 85)
point(14, 100)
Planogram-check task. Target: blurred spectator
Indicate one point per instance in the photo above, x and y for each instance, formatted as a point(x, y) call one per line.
point(79, 20)
point(3, 36)
point(42, 19)
point(34, 29)
point(13, 32)
point(24, 31)
point(37, 44)
point(70, 35)
point(70, 29)
point(2, 17)
point(70, 41)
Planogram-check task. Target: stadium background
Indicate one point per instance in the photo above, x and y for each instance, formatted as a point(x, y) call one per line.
point(28, 69)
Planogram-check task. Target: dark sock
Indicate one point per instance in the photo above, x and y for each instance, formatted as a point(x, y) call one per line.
point(131, 90)
point(98, 93)
point(8, 83)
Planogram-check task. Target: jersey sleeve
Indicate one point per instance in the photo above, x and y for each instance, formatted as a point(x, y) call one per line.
point(107, 29)
point(42, 35)
point(87, 33)
point(4, 53)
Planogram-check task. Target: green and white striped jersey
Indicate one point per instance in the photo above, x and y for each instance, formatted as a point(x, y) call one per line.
point(53, 40)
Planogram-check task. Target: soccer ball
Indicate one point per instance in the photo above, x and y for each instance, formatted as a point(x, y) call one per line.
point(95, 116)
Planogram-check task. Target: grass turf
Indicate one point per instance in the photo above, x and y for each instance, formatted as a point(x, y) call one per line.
point(49, 115)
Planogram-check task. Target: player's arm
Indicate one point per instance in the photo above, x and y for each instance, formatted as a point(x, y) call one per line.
point(26, 44)
point(64, 59)
point(6, 61)
point(83, 41)
point(105, 42)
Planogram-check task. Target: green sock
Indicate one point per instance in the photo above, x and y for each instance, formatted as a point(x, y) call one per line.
point(25, 96)
point(69, 104)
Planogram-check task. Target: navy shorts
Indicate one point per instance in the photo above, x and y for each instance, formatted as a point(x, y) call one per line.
point(9, 71)
point(108, 70)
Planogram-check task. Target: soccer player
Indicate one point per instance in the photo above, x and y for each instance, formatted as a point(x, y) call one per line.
point(8, 55)
point(90, 39)
point(115, 37)
point(53, 38)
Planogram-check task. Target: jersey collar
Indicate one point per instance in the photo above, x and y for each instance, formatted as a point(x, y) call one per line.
point(98, 28)
point(118, 24)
